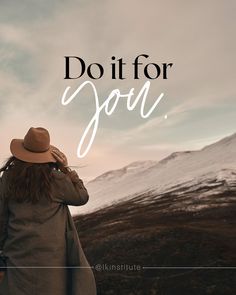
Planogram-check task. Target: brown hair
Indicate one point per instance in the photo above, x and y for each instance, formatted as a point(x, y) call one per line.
point(28, 181)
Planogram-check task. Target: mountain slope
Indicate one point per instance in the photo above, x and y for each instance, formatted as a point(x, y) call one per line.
point(153, 235)
point(208, 167)
point(178, 226)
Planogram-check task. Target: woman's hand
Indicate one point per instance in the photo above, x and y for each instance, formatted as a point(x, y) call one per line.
point(59, 156)
point(2, 273)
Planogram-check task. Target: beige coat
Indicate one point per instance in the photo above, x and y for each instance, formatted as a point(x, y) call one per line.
point(32, 236)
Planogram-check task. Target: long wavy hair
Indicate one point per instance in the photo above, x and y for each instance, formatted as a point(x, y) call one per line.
point(28, 182)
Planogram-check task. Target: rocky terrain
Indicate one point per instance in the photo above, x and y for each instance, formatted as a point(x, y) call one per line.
point(147, 234)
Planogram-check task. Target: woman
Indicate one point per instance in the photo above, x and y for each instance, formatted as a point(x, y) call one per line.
point(36, 187)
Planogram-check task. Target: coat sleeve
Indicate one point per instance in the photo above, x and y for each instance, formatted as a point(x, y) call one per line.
point(69, 189)
point(3, 224)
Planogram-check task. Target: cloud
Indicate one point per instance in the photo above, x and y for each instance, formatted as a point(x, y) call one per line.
point(196, 37)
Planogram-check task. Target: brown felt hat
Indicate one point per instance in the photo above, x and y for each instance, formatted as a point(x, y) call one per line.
point(34, 148)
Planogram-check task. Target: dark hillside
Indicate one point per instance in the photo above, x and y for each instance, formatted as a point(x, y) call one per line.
point(148, 234)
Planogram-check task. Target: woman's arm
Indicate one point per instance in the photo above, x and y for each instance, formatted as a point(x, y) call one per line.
point(3, 225)
point(69, 189)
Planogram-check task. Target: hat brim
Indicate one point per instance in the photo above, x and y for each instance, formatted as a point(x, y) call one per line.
point(20, 152)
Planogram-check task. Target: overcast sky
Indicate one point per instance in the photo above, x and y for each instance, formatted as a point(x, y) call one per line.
point(198, 37)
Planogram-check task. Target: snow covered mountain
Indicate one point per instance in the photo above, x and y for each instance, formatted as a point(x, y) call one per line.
point(211, 169)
